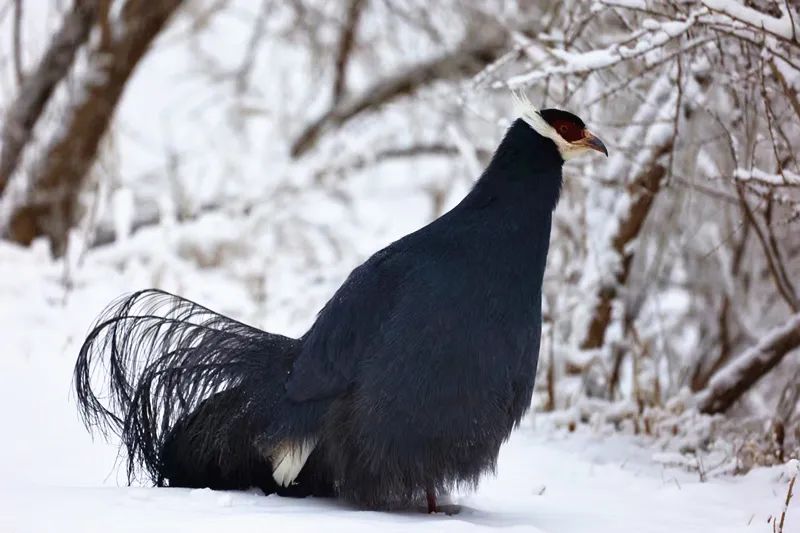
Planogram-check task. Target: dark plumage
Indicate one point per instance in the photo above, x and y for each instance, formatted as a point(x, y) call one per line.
point(412, 376)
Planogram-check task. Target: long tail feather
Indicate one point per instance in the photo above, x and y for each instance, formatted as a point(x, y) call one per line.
point(177, 372)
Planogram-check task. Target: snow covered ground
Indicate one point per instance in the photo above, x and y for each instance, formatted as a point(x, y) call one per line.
point(544, 484)
point(53, 477)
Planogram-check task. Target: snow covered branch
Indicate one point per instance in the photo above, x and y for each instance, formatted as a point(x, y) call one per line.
point(785, 179)
point(786, 27)
point(648, 45)
point(733, 380)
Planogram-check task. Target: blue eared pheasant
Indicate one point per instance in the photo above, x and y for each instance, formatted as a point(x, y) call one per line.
point(410, 379)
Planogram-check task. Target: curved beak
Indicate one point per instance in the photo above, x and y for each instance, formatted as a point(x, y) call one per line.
point(590, 140)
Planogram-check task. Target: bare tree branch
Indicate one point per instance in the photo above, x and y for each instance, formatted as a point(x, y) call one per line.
point(469, 58)
point(700, 375)
point(347, 42)
point(786, 292)
point(398, 152)
point(17, 51)
point(790, 93)
point(245, 70)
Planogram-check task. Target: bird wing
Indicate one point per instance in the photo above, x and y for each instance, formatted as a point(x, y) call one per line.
point(344, 328)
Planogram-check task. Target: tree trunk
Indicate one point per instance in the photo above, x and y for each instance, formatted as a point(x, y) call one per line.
point(641, 191)
point(51, 208)
point(642, 174)
point(36, 88)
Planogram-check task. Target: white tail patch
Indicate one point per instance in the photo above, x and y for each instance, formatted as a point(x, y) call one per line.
point(288, 459)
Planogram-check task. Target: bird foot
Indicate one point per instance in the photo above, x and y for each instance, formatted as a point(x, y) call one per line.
point(436, 508)
point(431, 497)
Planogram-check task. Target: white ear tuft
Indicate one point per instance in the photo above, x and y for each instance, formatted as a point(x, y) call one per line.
point(530, 114)
point(523, 106)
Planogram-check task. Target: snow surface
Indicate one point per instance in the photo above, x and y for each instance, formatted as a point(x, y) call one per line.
point(544, 484)
point(53, 477)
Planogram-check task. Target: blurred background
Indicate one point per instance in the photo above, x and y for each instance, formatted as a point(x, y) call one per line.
point(248, 154)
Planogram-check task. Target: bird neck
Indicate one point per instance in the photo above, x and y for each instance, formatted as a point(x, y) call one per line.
point(525, 171)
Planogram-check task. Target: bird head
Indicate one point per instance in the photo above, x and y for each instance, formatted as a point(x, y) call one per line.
point(566, 130)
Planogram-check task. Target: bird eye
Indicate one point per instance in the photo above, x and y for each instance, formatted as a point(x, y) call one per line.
point(563, 128)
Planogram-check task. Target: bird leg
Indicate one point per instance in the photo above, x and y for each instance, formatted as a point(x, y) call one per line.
point(431, 497)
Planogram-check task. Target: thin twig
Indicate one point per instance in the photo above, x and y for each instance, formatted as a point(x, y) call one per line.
point(347, 41)
point(466, 60)
point(17, 54)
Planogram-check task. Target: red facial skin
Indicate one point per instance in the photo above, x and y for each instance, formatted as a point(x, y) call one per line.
point(568, 130)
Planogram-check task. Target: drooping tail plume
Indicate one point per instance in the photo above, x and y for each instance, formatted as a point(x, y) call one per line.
point(186, 390)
